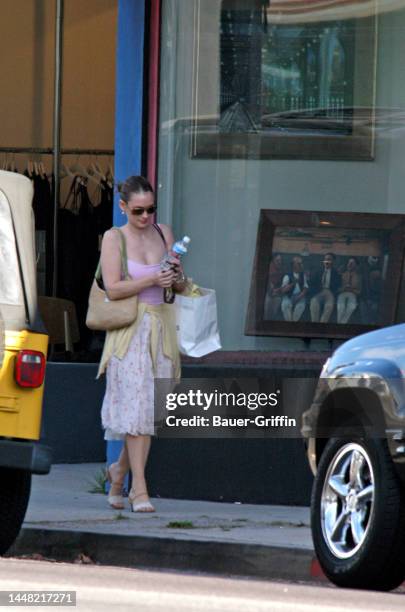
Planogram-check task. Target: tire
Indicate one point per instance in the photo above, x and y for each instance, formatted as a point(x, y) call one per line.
point(15, 486)
point(358, 515)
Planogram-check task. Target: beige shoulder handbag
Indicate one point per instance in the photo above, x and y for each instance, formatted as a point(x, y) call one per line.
point(105, 314)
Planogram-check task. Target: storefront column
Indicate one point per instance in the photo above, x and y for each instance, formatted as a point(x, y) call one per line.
point(128, 112)
point(129, 93)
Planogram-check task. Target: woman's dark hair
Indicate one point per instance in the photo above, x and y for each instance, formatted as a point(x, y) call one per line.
point(133, 184)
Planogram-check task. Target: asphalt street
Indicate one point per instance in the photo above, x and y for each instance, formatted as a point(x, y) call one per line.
point(110, 588)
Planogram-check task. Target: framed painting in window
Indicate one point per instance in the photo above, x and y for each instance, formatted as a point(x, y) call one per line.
point(325, 275)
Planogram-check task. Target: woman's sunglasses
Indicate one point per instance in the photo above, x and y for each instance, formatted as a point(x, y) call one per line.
point(139, 211)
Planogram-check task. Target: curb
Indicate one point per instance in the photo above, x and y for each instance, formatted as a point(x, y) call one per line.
point(250, 560)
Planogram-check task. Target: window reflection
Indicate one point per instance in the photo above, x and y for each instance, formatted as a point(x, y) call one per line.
point(270, 70)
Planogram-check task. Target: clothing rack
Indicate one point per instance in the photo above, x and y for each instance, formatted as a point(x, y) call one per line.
point(56, 152)
point(50, 151)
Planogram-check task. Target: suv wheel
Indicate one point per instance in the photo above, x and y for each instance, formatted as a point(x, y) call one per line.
point(15, 488)
point(358, 515)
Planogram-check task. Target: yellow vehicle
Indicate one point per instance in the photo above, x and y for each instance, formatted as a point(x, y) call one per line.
point(23, 349)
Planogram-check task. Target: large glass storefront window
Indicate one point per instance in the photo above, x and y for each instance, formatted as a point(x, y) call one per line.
point(291, 109)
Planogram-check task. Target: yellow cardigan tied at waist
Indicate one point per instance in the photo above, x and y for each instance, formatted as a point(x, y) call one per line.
point(117, 341)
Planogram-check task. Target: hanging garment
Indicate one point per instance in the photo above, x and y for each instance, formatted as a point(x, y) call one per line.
point(42, 201)
point(43, 215)
point(104, 210)
point(77, 252)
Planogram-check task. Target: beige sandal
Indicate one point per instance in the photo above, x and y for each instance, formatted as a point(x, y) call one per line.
point(144, 506)
point(115, 501)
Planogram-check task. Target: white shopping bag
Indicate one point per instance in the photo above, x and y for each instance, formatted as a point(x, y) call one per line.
point(197, 323)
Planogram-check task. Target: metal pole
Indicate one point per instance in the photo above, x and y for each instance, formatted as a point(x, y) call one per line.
point(57, 116)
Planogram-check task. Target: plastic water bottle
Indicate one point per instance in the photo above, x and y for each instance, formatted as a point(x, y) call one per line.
point(179, 248)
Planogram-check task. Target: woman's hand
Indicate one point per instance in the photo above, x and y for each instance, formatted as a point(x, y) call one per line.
point(165, 278)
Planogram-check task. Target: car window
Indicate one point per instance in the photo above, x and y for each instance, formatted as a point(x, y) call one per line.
point(1, 339)
point(10, 278)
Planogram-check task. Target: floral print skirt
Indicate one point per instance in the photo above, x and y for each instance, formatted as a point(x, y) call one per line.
point(128, 406)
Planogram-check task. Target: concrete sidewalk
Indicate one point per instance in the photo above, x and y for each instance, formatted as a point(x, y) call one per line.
point(66, 520)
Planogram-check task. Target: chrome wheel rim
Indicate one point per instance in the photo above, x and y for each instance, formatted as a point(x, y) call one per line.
point(347, 502)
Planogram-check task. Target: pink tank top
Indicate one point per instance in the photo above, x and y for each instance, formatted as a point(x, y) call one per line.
point(151, 295)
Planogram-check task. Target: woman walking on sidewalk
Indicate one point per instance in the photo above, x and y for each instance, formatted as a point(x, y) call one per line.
point(134, 356)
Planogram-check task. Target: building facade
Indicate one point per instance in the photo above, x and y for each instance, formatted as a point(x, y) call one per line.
point(274, 135)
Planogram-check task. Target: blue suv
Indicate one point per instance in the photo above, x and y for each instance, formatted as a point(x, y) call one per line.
point(355, 439)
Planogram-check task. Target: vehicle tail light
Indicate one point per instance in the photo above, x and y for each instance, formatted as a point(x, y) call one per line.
point(30, 368)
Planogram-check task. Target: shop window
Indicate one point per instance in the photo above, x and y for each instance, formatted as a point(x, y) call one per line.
point(262, 108)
